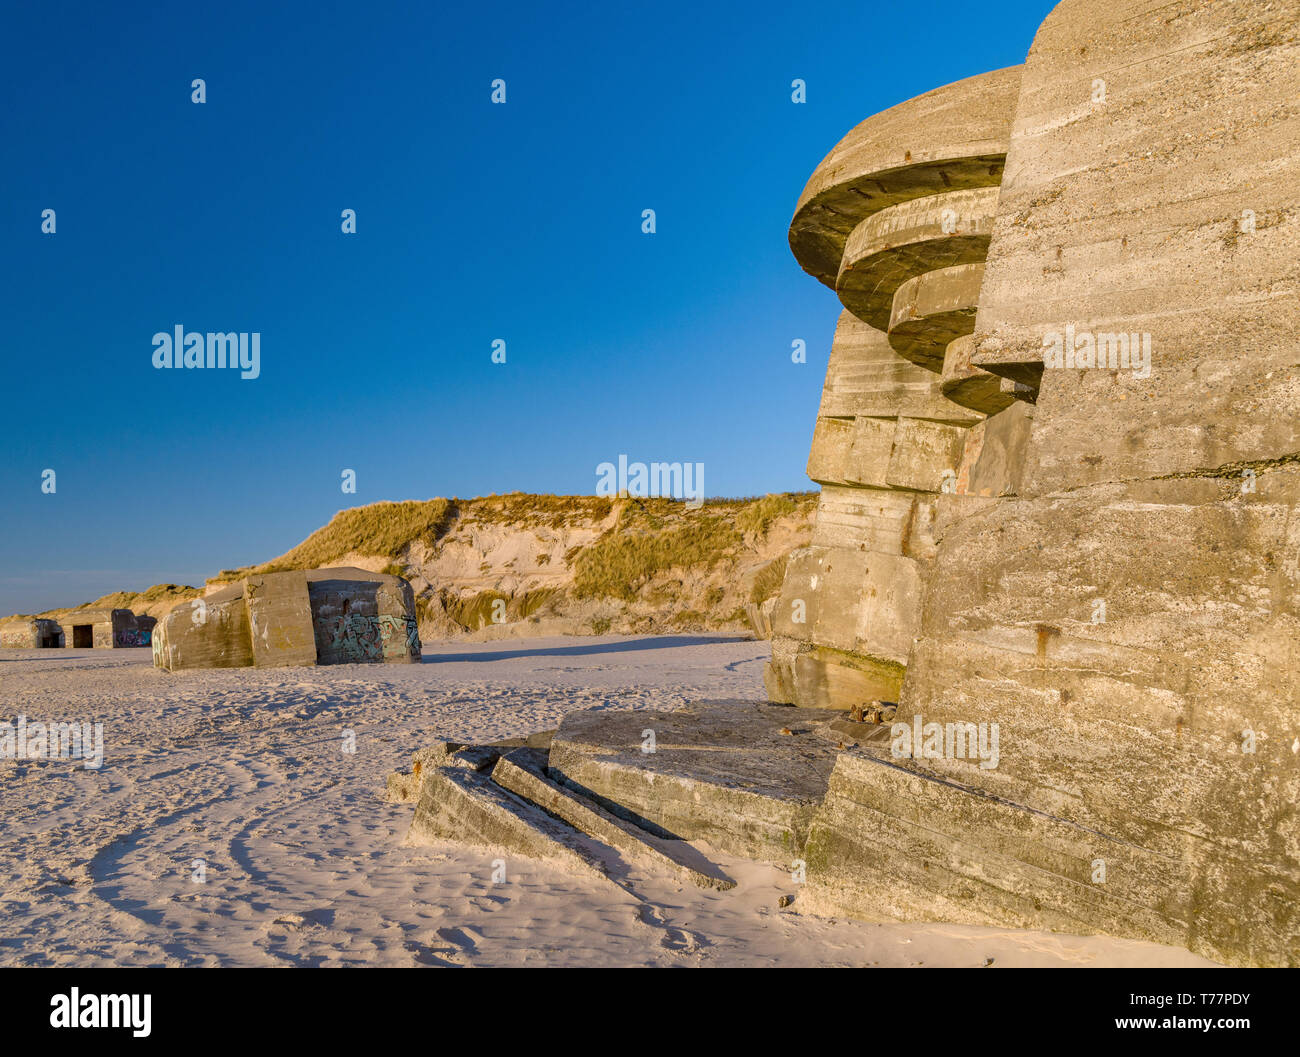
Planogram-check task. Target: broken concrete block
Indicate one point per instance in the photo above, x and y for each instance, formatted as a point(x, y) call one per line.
point(720, 772)
point(279, 619)
point(463, 805)
point(925, 455)
point(403, 787)
point(868, 457)
point(891, 843)
point(474, 757)
point(520, 772)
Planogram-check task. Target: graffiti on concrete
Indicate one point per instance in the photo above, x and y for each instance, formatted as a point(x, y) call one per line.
point(353, 638)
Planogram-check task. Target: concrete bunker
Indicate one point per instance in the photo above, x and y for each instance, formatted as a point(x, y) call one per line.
point(38, 633)
point(965, 538)
point(49, 636)
point(102, 628)
point(318, 616)
point(82, 629)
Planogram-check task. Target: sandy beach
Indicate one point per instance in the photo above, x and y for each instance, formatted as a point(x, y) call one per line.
point(239, 776)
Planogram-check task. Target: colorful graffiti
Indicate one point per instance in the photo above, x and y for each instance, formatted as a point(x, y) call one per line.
point(356, 639)
point(131, 637)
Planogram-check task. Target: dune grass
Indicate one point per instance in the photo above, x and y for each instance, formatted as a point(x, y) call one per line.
point(769, 579)
point(147, 597)
point(757, 517)
point(620, 562)
point(382, 530)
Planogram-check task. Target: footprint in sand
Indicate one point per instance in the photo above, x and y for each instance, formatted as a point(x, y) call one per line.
point(681, 941)
point(456, 949)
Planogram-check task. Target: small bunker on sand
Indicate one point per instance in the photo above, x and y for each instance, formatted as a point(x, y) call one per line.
point(105, 629)
point(271, 620)
point(30, 633)
point(98, 628)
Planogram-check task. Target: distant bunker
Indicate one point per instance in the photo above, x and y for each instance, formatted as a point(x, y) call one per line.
point(275, 620)
point(82, 629)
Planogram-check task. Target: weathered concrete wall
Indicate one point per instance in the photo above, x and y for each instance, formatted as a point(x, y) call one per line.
point(101, 628)
point(1165, 207)
point(30, 633)
point(280, 619)
point(323, 616)
point(356, 623)
point(897, 219)
point(209, 632)
point(1114, 578)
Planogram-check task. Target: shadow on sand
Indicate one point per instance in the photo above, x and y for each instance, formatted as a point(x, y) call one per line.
point(505, 651)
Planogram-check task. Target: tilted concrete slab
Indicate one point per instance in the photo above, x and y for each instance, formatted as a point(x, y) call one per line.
point(461, 805)
point(721, 772)
point(523, 772)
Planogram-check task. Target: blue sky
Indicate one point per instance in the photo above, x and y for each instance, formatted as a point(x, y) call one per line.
point(475, 222)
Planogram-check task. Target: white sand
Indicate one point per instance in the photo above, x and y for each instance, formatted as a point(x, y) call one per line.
point(245, 770)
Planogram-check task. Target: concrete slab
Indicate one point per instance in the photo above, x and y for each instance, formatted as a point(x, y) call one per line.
point(523, 772)
point(721, 771)
point(462, 805)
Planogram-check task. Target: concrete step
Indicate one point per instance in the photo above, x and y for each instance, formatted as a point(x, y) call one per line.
point(745, 777)
point(464, 805)
point(522, 772)
point(404, 787)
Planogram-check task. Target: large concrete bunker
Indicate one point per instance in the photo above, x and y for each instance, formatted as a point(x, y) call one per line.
point(270, 620)
point(1030, 536)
